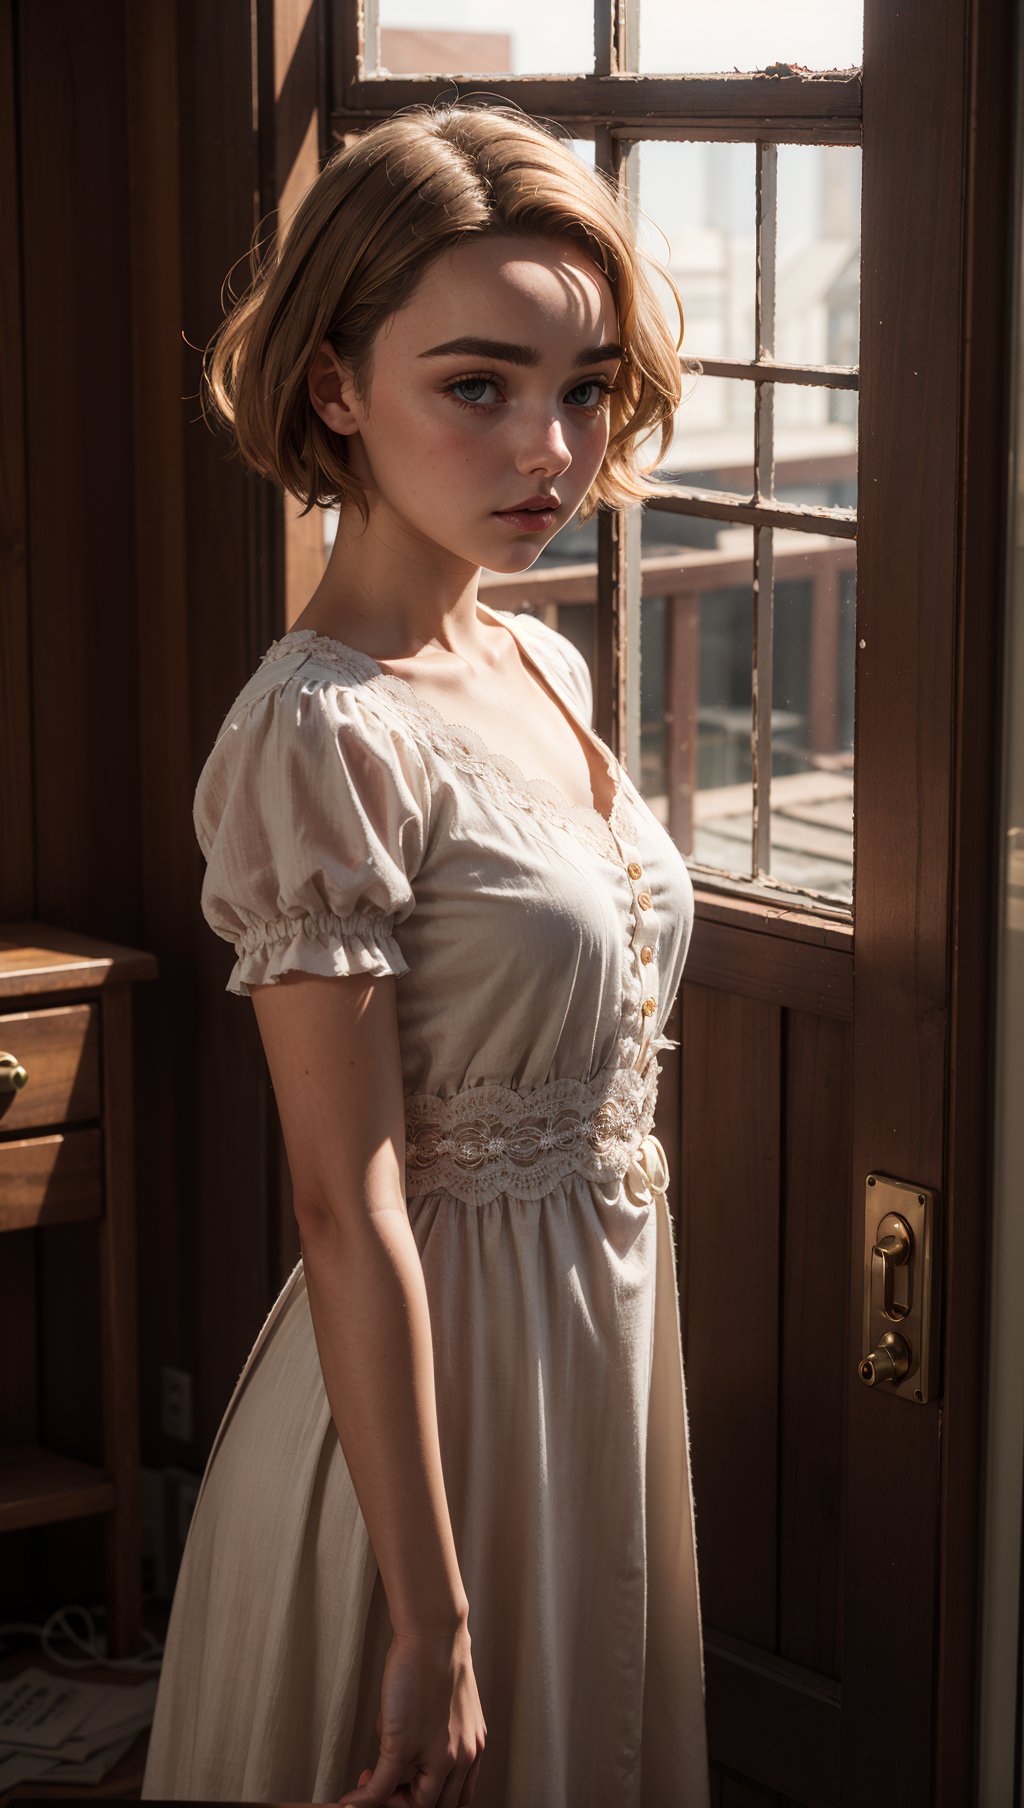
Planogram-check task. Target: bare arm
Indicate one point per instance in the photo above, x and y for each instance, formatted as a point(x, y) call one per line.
point(333, 1052)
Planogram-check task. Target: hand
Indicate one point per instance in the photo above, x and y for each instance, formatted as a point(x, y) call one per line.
point(431, 1728)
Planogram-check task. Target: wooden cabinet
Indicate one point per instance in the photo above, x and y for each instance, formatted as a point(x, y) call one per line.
point(66, 1156)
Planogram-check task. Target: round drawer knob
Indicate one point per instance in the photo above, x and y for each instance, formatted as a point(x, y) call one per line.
point(12, 1075)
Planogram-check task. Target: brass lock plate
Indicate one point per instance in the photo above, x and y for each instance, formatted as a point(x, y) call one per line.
point(900, 1277)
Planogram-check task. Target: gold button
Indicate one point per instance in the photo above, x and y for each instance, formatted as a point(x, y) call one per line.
point(649, 1005)
point(644, 900)
point(646, 955)
point(634, 871)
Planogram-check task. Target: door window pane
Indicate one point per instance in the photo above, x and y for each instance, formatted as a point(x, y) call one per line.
point(815, 437)
point(812, 713)
point(817, 287)
point(462, 37)
point(696, 730)
point(713, 437)
point(697, 218)
point(695, 682)
point(685, 37)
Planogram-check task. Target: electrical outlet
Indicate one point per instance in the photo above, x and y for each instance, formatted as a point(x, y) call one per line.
point(176, 1404)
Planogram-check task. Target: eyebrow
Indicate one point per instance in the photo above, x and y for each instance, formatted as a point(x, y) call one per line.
point(518, 354)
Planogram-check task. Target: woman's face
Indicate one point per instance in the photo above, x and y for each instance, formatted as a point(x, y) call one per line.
point(489, 389)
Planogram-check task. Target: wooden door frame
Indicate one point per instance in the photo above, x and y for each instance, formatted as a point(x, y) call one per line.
point(933, 433)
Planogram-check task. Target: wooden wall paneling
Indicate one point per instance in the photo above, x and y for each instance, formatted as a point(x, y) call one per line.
point(80, 709)
point(164, 1015)
point(16, 792)
point(79, 455)
point(291, 91)
point(813, 1337)
point(731, 1117)
point(232, 577)
point(292, 85)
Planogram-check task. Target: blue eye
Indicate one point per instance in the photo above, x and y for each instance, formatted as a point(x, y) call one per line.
point(590, 383)
point(469, 383)
point(601, 384)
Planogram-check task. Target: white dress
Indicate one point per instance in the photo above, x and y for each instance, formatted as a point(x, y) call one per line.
point(348, 827)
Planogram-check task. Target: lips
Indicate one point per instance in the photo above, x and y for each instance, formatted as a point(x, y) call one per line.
point(532, 503)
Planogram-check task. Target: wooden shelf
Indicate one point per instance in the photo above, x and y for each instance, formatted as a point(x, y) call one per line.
point(39, 1486)
point(38, 958)
point(67, 1157)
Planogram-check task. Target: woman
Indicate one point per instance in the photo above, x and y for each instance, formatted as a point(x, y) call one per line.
point(444, 1549)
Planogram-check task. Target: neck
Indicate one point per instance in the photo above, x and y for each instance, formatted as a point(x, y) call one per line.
point(389, 588)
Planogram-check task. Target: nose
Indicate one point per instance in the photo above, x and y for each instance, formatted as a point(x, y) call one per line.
point(545, 448)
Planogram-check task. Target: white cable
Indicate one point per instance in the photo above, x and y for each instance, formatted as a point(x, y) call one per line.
point(94, 1644)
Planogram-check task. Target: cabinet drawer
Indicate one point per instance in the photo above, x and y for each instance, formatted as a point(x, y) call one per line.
point(60, 1051)
point(51, 1179)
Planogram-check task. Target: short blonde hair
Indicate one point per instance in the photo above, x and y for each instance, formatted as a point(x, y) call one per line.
point(362, 236)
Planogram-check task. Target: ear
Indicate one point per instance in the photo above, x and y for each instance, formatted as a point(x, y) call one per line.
point(331, 391)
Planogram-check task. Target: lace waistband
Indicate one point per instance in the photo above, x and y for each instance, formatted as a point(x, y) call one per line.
point(493, 1139)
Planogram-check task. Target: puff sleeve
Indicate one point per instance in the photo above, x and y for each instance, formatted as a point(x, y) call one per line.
point(312, 817)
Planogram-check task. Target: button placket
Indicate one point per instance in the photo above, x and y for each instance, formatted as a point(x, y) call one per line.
point(643, 944)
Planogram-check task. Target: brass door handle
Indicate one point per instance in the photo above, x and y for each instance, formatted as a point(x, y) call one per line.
point(900, 1236)
point(893, 1251)
point(12, 1075)
point(888, 1361)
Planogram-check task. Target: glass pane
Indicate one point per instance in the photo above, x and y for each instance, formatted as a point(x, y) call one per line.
point(697, 218)
point(713, 437)
point(459, 37)
point(817, 295)
point(812, 713)
point(685, 37)
point(696, 715)
point(815, 445)
point(696, 711)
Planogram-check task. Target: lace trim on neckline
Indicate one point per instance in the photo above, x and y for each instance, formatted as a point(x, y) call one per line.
point(465, 748)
